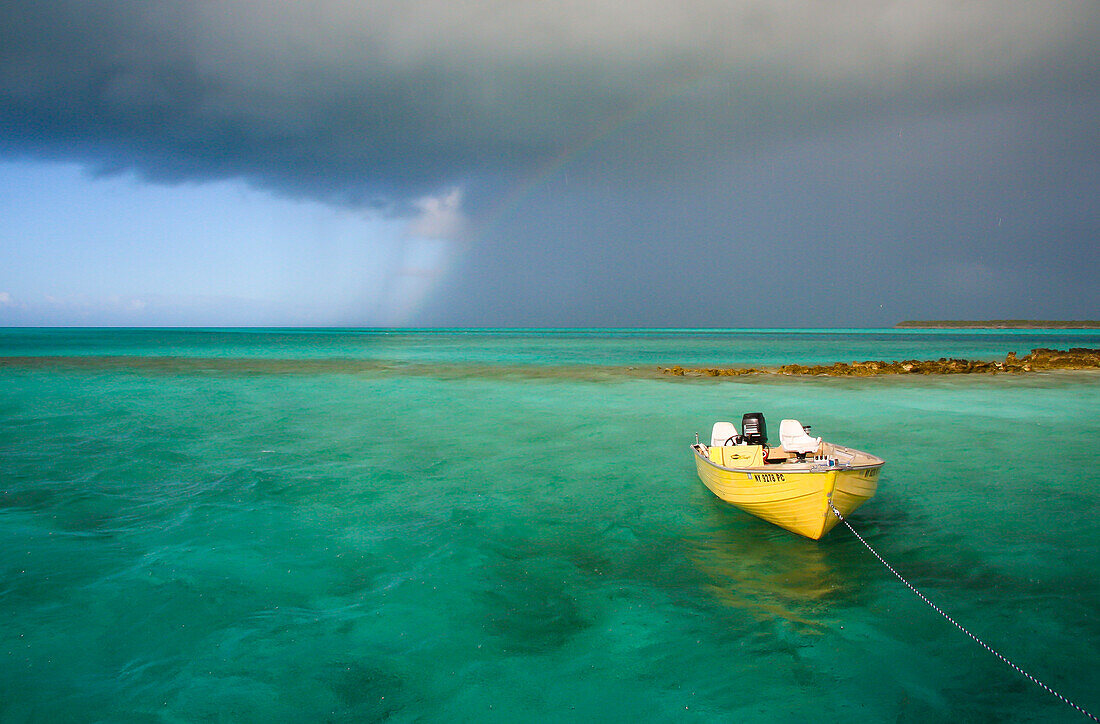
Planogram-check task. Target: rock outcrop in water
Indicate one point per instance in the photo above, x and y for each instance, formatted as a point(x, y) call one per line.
point(1038, 360)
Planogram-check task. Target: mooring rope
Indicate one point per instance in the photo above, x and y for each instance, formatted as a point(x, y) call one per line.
point(958, 625)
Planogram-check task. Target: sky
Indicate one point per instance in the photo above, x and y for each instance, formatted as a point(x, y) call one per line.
point(662, 163)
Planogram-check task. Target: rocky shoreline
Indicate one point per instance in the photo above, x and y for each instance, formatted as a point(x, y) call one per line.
point(1038, 360)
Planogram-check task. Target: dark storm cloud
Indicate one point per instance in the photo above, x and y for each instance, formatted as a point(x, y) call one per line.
point(985, 214)
point(360, 100)
point(698, 161)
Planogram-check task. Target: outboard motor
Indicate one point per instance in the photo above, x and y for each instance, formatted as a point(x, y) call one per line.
point(753, 430)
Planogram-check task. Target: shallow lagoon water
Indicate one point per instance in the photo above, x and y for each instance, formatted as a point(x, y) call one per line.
point(573, 347)
point(181, 544)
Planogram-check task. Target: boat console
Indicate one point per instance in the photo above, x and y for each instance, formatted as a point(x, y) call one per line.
point(750, 448)
point(796, 442)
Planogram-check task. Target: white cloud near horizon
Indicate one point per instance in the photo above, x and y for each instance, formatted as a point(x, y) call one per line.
point(439, 216)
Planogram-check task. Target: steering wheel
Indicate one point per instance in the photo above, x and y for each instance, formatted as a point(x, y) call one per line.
point(732, 440)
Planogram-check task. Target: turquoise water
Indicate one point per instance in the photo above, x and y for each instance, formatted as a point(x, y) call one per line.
point(641, 348)
point(252, 543)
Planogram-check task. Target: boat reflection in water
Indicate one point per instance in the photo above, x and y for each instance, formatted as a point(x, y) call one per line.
point(772, 577)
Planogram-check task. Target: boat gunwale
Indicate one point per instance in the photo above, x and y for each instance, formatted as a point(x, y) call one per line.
point(695, 448)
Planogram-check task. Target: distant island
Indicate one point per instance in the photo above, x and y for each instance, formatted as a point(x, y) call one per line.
point(999, 324)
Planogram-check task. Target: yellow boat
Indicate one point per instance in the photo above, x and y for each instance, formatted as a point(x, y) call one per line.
point(792, 485)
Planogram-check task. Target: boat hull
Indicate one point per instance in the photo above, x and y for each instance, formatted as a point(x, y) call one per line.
point(794, 499)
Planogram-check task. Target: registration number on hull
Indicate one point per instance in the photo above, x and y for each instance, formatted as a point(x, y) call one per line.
point(768, 477)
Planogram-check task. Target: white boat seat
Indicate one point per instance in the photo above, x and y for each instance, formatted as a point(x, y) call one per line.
point(794, 438)
point(721, 432)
